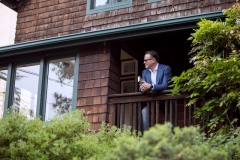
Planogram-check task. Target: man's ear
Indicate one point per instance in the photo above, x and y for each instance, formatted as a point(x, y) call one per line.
point(154, 60)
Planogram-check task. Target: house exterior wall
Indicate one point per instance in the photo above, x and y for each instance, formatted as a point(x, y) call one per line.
point(39, 19)
point(99, 68)
point(8, 19)
point(98, 77)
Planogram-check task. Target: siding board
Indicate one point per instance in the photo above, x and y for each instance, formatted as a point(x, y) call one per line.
point(67, 17)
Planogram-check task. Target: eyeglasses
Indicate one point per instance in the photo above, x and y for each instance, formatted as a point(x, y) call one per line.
point(145, 60)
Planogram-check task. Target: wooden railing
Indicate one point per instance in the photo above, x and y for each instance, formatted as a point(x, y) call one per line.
point(161, 107)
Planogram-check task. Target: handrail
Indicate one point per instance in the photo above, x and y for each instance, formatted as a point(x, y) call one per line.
point(127, 108)
point(142, 97)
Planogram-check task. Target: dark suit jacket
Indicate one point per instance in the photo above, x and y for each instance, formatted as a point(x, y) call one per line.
point(164, 75)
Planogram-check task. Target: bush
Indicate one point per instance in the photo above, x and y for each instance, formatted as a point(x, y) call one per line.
point(59, 138)
point(161, 143)
point(216, 71)
point(64, 137)
point(68, 137)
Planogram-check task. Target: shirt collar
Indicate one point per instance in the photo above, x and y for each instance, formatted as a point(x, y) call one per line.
point(156, 68)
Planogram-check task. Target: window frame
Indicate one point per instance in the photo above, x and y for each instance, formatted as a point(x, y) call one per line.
point(6, 94)
point(42, 82)
point(107, 7)
point(151, 1)
point(14, 67)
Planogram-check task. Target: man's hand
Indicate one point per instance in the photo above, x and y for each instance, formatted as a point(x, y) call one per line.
point(145, 86)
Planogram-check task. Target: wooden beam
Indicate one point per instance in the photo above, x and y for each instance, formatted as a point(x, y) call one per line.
point(139, 97)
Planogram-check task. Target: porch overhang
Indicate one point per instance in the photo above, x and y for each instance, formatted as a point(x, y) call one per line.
point(13, 4)
point(119, 33)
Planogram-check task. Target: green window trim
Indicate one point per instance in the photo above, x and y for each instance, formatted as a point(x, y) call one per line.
point(75, 82)
point(107, 7)
point(42, 85)
point(9, 87)
point(151, 1)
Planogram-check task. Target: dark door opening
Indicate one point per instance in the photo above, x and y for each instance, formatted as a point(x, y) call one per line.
point(173, 49)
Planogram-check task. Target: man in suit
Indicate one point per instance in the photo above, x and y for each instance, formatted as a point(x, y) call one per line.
point(156, 77)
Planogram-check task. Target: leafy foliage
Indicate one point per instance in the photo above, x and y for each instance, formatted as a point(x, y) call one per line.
point(215, 76)
point(64, 137)
point(163, 142)
point(68, 137)
point(33, 139)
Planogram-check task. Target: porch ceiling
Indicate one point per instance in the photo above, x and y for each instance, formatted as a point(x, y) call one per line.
point(13, 4)
point(119, 33)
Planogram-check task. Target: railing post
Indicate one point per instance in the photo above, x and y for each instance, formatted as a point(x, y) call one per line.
point(122, 115)
point(134, 115)
point(176, 112)
point(171, 112)
point(118, 115)
point(131, 114)
point(189, 115)
point(148, 115)
point(157, 112)
point(194, 109)
point(139, 116)
point(185, 112)
point(152, 113)
point(166, 110)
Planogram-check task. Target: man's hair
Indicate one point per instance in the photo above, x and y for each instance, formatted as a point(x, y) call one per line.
point(154, 54)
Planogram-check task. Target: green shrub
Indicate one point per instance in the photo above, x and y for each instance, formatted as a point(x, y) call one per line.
point(59, 138)
point(68, 137)
point(160, 142)
point(215, 76)
point(64, 137)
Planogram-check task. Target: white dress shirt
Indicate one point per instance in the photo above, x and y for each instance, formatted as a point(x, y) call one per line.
point(154, 76)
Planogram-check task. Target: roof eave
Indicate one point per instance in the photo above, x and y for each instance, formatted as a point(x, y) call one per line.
point(107, 34)
point(12, 4)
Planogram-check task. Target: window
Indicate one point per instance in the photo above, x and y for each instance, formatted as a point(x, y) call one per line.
point(95, 6)
point(45, 88)
point(3, 84)
point(26, 88)
point(60, 87)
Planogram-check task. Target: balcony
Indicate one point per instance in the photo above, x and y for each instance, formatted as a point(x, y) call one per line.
point(161, 107)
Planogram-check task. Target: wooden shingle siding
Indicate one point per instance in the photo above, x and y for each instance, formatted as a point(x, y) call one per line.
point(38, 19)
point(97, 80)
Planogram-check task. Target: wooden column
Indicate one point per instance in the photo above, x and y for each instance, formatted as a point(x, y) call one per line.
point(97, 78)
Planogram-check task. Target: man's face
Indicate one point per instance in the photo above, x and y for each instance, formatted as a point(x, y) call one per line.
point(148, 61)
